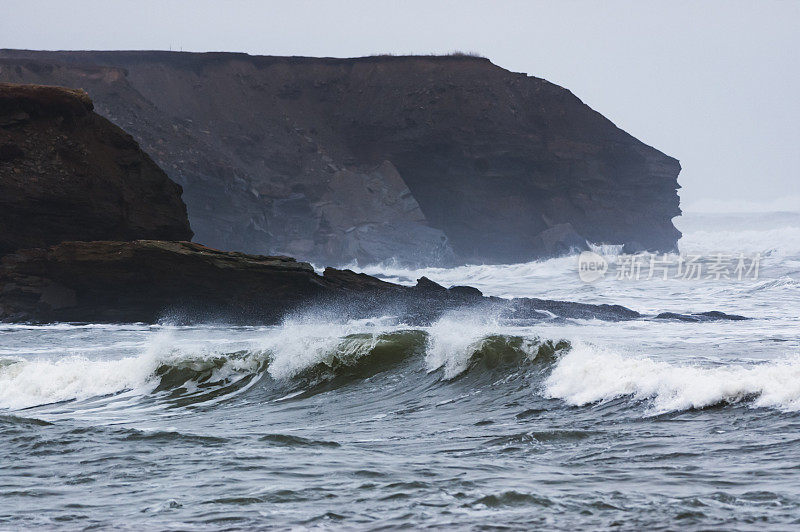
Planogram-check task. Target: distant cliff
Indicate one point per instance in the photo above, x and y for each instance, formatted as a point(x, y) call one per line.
point(427, 159)
point(67, 173)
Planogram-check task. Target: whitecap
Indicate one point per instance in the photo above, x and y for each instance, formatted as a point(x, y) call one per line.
point(590, 374)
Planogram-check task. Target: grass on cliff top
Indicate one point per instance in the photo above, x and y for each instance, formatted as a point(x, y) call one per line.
point(454, 53)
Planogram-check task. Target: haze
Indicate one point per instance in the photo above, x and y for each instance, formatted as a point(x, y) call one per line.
point(714, 84)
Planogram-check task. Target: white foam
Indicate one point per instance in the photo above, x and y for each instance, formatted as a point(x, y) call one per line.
point(76, 373)
point(716, 205)
point(502, 280)
point(776, 236)
point(451, 340)
point(784, 283)
point(588, 374)
point(76, 326)
point(32, 382)
point(27, 382)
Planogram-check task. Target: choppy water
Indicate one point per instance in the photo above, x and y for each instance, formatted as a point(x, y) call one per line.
point(469, 422)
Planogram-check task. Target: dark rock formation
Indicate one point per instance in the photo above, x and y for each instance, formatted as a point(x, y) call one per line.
point(67, 173)
point(466, 291)
point(145, 280)
point(713, 315)
point(149, 280)
point(426, 285)
point(423, 158)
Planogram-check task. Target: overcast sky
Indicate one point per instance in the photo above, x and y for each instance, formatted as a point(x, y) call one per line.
point(715, 84)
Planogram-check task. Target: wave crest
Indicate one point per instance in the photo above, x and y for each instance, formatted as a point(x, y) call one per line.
point(456, 343)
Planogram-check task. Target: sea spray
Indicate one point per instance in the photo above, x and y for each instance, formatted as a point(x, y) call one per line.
point(38, 381)
point(305, 340)
point(458, 339)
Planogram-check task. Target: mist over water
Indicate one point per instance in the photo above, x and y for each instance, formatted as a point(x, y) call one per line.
point(322, 422)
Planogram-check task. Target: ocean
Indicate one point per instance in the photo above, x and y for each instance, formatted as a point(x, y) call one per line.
point(469, 423)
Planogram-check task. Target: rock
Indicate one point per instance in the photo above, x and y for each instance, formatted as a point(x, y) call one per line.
point(717, 315)
point(420, 156)
point(426, 285)
point(371, 216)
point(68, 174)
point(713, 315)
point(349, 281)
point(467, 292)
point(149, 281)
point(581, 311)
point(676, 316)
point(9, 152)
point(13, 117)
point(402, 243)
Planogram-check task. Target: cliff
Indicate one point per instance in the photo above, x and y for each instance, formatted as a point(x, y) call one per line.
point(426, 159)
point(67, 173)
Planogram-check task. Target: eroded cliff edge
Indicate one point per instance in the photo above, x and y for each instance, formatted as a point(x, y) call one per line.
point(67, 173)
point(422, 158)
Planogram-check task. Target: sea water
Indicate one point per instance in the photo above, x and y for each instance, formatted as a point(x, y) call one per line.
point(470, 422)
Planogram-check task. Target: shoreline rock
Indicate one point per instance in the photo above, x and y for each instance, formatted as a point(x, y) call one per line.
point(184, 282)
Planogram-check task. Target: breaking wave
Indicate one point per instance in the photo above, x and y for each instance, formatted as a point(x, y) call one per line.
point(457, 342)
point(300, 354)
point(578, 373)
point(502, 280)
point(588, 374)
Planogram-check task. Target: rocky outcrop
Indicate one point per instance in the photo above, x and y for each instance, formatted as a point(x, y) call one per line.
point(67, 173)
point(427, 159)
point(148, 281)
point(714, 315)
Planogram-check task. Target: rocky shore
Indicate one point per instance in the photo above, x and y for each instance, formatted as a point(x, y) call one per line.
point(71, 178)
point(426, 160)
point(94, 231)
point(183, 282)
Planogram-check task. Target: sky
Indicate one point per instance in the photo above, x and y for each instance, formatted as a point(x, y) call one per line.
point(715, 84)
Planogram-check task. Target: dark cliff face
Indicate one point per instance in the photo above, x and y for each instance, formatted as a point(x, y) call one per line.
point(428, 159)
point(67, 173)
